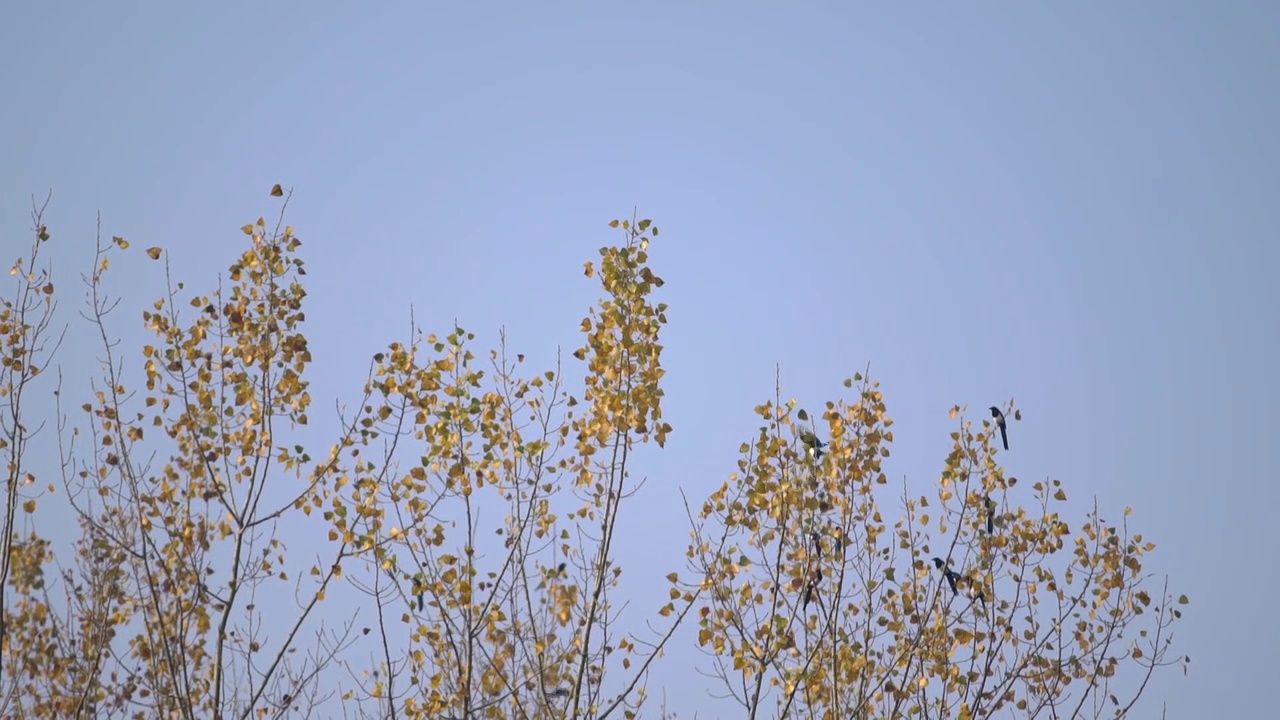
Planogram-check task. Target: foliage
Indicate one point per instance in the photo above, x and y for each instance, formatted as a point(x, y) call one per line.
point(470, 508)
point(822, 607)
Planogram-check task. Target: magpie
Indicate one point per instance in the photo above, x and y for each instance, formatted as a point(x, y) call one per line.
point(948, 573)
point(999, 416)
point(419, 588)
point(812, 442)
point(811, 587)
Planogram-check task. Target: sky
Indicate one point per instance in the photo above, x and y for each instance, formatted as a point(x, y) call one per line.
point(1063, 204)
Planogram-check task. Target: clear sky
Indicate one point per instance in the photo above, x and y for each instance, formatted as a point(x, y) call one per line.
point(1070, 204)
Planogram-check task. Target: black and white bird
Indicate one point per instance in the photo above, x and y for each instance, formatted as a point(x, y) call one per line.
point(811, 587)
point(999, 416)
point(955, 579)
point(974, 590)
point(812, 442)
point(419, 588)
point(951, 575)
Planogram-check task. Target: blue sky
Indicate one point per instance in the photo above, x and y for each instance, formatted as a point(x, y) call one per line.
point(1070, 204)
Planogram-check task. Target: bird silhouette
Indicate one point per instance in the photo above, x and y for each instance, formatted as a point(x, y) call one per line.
point(999, 416)
point(991, 515)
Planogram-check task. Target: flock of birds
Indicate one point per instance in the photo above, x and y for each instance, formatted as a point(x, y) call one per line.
point(955, 580)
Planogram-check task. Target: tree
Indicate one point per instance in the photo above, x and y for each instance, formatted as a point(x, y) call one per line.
point(968, 605)
point(470, 508)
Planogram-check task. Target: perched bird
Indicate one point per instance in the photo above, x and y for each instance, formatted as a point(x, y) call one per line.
point(951, 575)
point(954, 579)
point(812, 442)
point(999, 416)
point(991, 515)
point(811, 588)
point(419, 588)
point(552, 575)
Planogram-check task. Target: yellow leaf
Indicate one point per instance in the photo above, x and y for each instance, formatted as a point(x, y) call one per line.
point(276, 190)
point(154, 253)
point(1060, 496)
point(247, 229)
point(124, 244)
point(613, 223)
point(29, 506)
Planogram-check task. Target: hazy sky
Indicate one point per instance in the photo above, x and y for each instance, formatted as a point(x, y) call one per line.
point(1072, 204)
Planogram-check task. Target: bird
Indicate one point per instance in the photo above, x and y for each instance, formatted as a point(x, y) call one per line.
point(999, 416)
point(948, 573)
point(991, 515)
point(418, 589)
point(974, 590)
point(817, 543)
point(811, 587)
point(812, 442)
point(954, 578)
